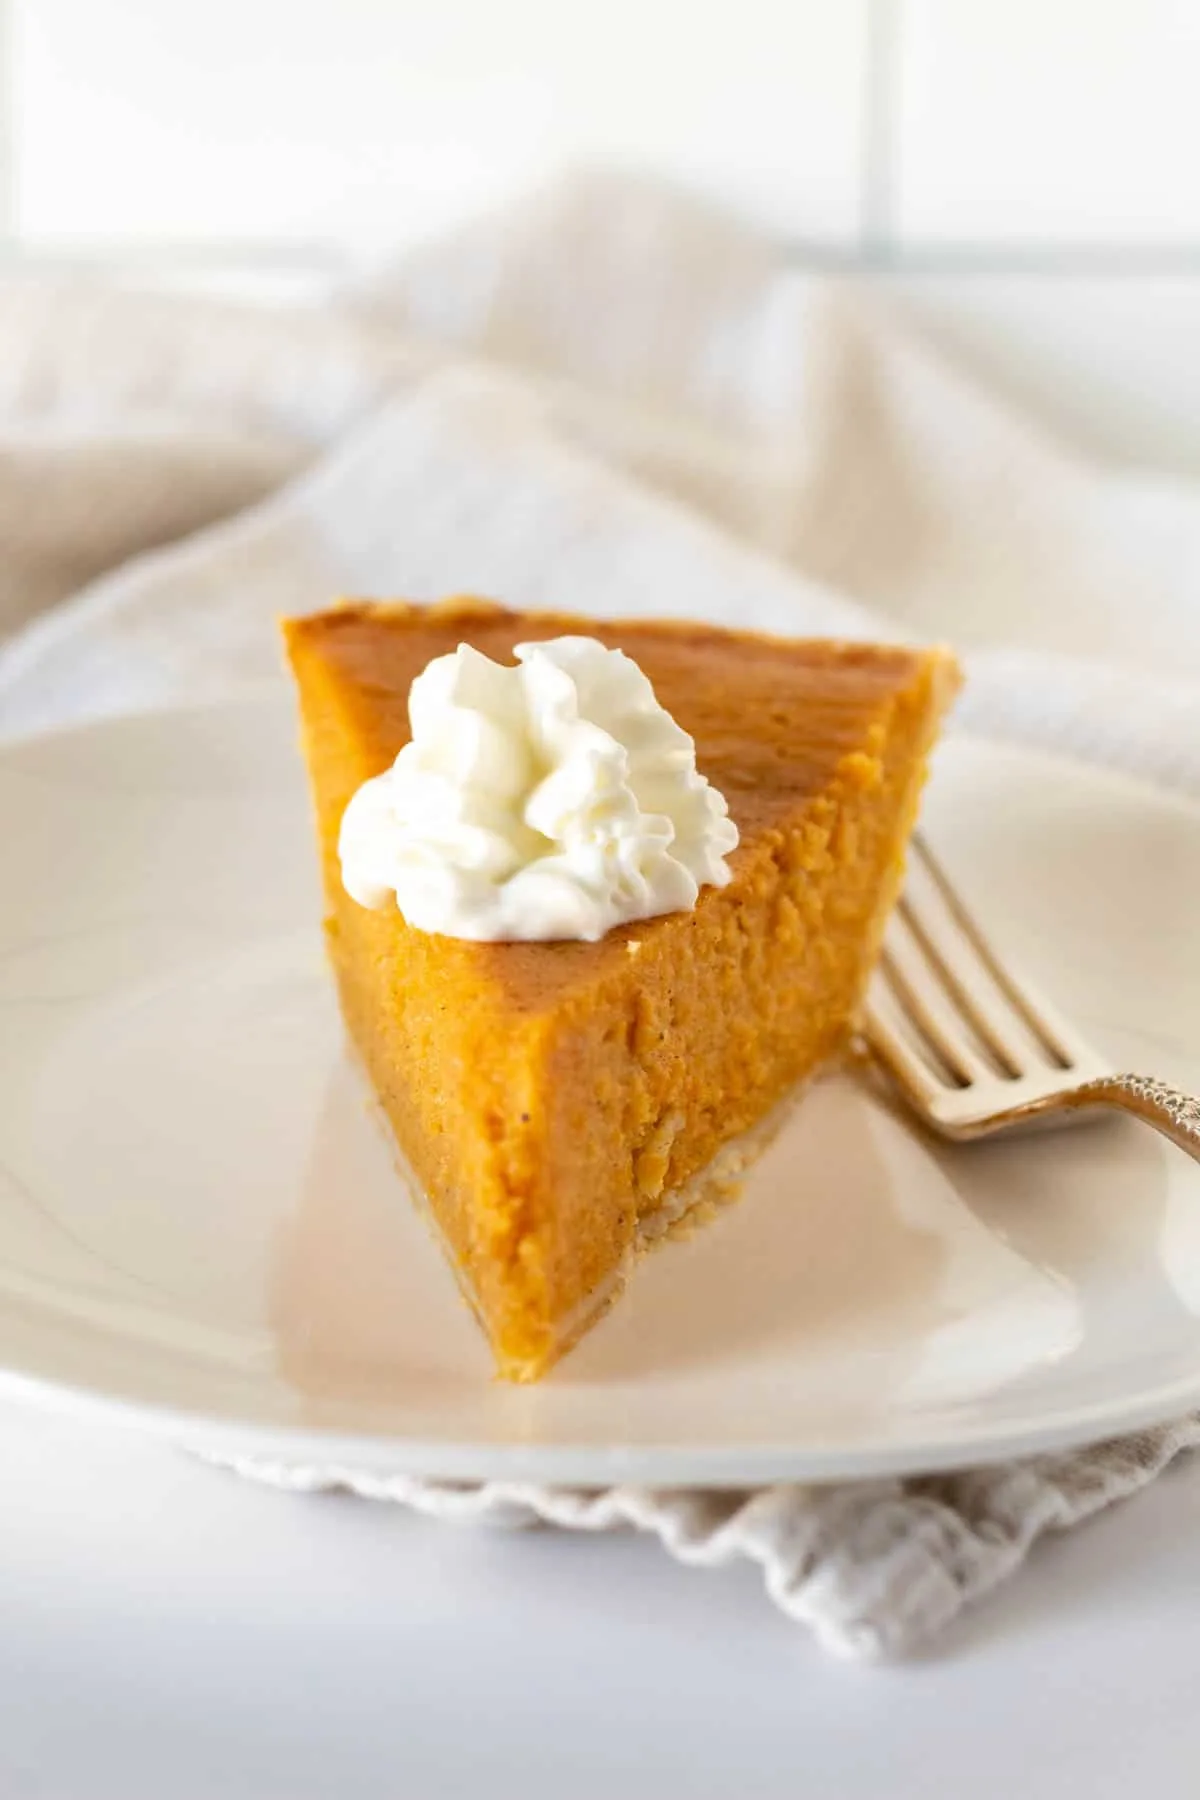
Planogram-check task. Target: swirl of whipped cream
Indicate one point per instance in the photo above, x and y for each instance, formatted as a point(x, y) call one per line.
point(553, 799)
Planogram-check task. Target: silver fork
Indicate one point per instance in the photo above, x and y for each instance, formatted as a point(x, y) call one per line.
point(975, 1049)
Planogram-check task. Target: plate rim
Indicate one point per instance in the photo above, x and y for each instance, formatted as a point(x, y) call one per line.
point(325, 1455)
point(336, 1458)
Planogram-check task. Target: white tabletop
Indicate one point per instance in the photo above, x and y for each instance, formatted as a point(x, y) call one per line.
point(169, 1630)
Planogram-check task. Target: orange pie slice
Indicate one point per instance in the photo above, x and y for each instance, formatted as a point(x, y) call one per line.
point(555, 1104)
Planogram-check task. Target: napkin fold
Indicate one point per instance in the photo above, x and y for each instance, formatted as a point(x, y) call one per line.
point(872, 1568)
point(612, 399)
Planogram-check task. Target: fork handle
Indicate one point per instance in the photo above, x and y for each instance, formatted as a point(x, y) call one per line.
point(1168, 1109)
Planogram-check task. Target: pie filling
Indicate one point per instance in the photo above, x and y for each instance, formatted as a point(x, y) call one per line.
point(692, 1205)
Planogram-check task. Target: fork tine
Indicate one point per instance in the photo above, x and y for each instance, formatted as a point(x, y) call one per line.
point(1020, 1026)
point(966, 980)
point(972, 1047)
point(896, 1039)
point(915, 978)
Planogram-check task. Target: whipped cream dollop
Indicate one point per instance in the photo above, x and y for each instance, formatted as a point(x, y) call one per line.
point(553, 799)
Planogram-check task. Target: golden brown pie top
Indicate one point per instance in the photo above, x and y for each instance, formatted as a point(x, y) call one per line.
point(799, 711)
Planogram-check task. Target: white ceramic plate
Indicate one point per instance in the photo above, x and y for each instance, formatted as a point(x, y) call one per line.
point(201, 1230)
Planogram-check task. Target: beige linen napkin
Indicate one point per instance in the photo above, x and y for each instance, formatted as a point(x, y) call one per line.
point(614, 401)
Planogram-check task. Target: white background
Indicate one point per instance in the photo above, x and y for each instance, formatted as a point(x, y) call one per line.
point(171, 1633)
point(901, 129)
point(1024, 172)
